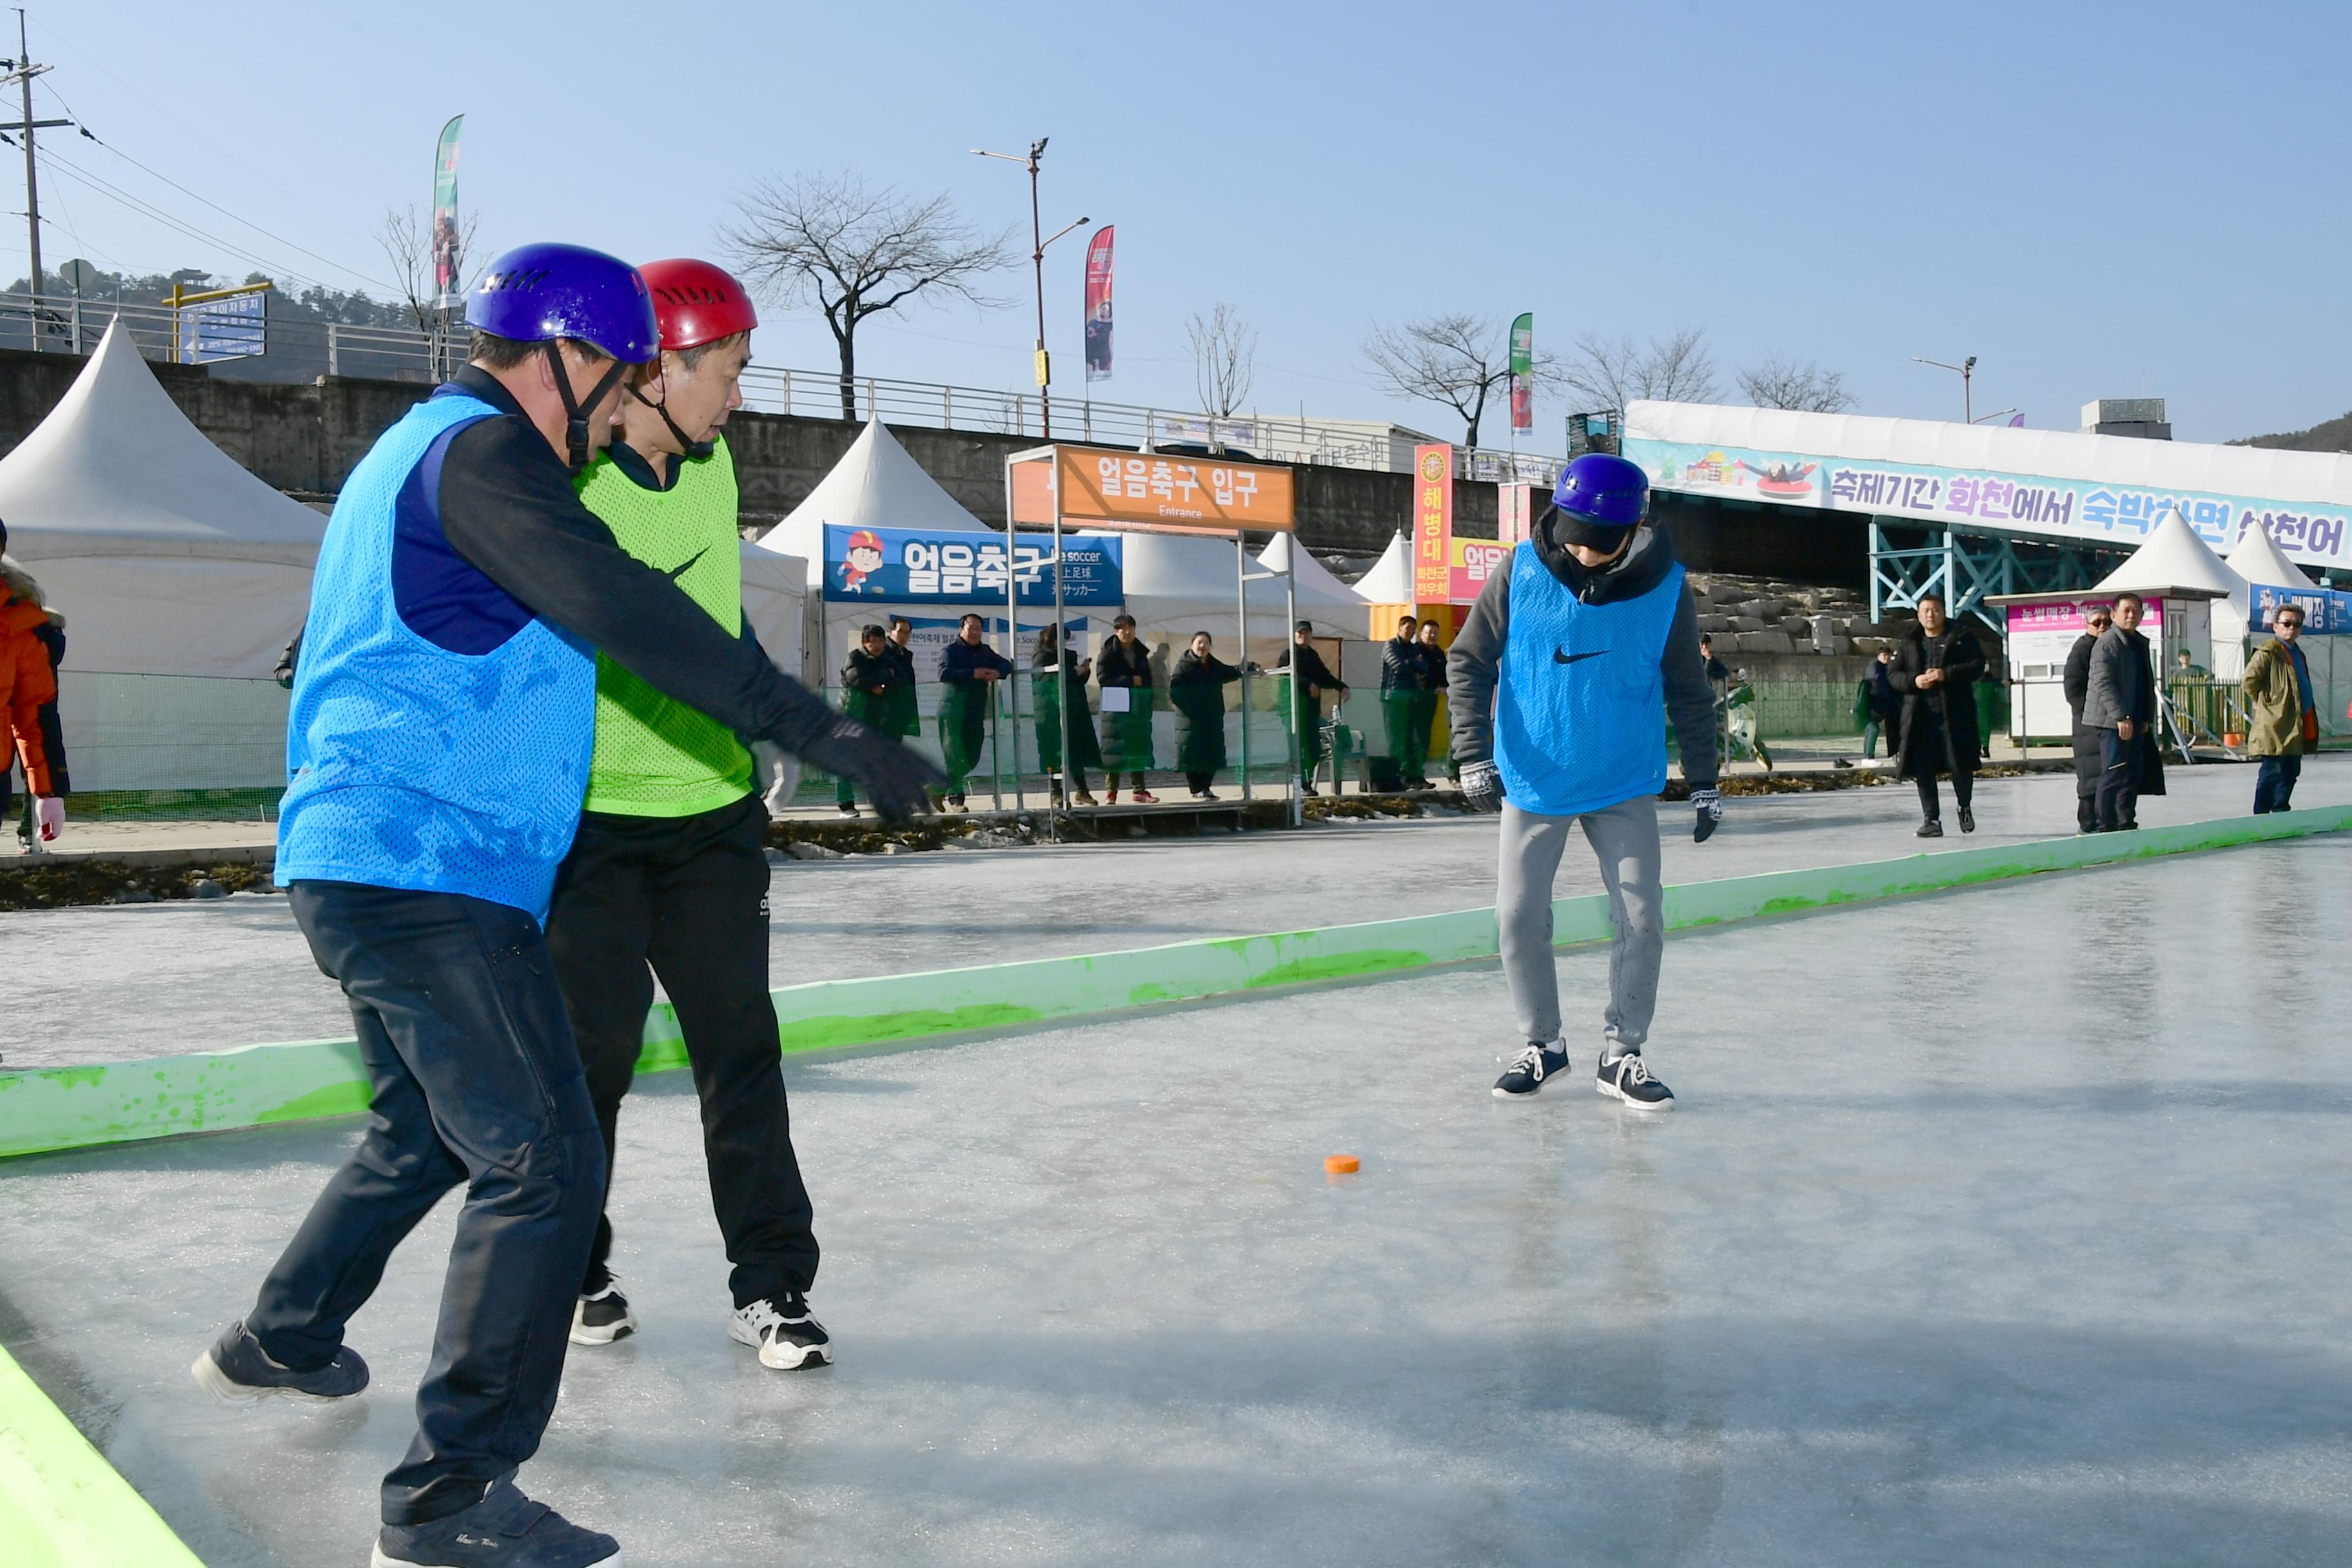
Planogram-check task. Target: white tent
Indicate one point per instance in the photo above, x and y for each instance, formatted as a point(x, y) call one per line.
point(875, 485)
point(2174, 558)
point(1389, 582)
point(166, 557)
point(2258, 561)
point(1336, 609)
point(775, 596)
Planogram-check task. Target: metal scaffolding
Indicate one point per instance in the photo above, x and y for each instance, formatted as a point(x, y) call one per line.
point(1965, 566)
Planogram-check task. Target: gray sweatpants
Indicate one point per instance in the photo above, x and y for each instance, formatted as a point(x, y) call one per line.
point(1624, 837)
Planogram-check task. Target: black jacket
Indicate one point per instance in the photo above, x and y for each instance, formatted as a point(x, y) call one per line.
point(1432, 666)
point(958, 664)
point(868, 681)
point(2077, 683)
point(1401, 665)
point(1473, 664)
point(1315, 677)
point(1116, 664)
point(1939, 722)
point(1196, 689)
point(508, 510)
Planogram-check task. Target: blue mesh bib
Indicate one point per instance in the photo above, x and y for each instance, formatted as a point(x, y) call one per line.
point(413, 766)
point(1579, 708)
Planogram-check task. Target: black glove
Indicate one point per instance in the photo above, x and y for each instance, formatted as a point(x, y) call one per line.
point(1482, 786)
point(893, 775)
point(1710, 813)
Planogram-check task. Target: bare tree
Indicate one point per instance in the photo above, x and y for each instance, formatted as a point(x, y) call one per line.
point(1778, 380)
point(859, 252)
point(1456, 359)
point(407, 241)
point(1224, 361)
point(1613, 372)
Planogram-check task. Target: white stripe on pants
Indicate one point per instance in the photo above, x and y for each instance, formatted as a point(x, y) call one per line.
point(1624, 839)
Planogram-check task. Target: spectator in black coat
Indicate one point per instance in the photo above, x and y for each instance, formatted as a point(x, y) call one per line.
point(1432, 693)
point(969, 672)
point(1936, 670)
point(2076, 684)
point(1125, 664)
point(1404, 677)
point(1197, 690)
point(871, 679)
point(1311, 679)
point(2121, 706)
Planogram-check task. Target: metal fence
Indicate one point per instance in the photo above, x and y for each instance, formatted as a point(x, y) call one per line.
point(301, 350)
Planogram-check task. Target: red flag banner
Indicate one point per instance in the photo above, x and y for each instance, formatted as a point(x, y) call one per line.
point(1098, 305)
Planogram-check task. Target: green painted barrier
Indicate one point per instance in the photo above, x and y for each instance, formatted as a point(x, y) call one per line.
point(70, 1108)
point(61, 1504)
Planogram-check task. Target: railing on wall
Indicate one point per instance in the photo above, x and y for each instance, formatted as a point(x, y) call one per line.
point(302, 350)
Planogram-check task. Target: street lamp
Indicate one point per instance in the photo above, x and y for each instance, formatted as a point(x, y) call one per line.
point(1964, 367)
point(1982, 417)
point(1045, 366)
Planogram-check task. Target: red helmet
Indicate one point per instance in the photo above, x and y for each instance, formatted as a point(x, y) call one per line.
point(696, 304)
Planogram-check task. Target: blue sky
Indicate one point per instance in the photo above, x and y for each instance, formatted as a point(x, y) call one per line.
point(2096, 201)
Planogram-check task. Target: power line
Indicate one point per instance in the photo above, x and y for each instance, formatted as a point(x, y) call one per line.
point(146, 209)
point(248, 222)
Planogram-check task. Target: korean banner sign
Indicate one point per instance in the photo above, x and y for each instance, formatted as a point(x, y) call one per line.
point(1101, 489)
point(1098, 305)
point(1433, 523)
point(1523, 363)
point(2325, 611)
point(2119, 515)
point(1469, 562)
point(445, 258)
point(911, 566)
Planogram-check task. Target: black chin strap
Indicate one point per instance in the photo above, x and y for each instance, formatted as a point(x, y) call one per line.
point(692, 449)
point(575, 414)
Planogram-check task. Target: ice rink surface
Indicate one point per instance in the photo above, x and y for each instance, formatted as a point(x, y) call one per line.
point(121, 982)
point(1994, 1226)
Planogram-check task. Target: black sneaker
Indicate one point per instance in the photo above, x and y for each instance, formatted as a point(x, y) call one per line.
point(1532, 1069)
point(602, 1317)
point(1931, 828)
point(1967, 820)
point(847, 809)
point(1628, 1078)
point(505, 1530)
point(237, 1371)
point(780, 1330)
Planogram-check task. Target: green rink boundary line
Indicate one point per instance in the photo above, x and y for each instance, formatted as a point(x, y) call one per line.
point(61, 1504)
point(52, 1108)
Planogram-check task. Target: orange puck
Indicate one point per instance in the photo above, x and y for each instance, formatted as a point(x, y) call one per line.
point(1341, 1164)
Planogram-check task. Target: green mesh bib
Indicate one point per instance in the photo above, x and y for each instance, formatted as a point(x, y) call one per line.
point(656, 756)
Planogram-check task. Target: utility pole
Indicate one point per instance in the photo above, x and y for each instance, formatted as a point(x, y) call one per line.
point(24, 70)
point(1037, 261)
point(1967, 368)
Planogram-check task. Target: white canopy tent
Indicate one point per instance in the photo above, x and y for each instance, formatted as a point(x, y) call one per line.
point(875, 485)
point(1336, 609)
point(2174, 560)
point(1389, 582)
point(2258, 561)
point(165, 556)
point(775, 596)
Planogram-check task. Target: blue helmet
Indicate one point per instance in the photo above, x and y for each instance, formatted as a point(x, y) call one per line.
point(536, 293)
point(541, 293)
point(1600, 498)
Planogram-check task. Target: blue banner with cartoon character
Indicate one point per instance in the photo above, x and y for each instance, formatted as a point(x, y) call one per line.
point(2121, 516)
point(912, 566)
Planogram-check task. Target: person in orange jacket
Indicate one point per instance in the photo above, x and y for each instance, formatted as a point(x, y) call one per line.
point(26, 682)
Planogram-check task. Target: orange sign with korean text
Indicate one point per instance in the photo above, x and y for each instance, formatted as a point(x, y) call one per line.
point(1469, 562)
point(1432, 522)
point(1109, 489)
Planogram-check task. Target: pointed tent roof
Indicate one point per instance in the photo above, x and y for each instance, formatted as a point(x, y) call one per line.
point(876, 485)
point(2174, 557)
point(2258, 559)
point(1317, 589)
point(116, 470)
point(1389, 582)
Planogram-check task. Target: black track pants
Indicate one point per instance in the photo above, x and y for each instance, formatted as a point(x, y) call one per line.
point(686, 898)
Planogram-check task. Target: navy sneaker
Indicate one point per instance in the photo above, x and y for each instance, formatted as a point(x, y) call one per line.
point(781, 1329)
point(1532, 1069)
point(1628, 1078)
point(505, 1530)
point(237, 1371)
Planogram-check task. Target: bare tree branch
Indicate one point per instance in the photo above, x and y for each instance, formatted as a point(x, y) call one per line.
point(1224, 361)
point(406, 238)
point(1456, 359)
point(856, 251)
point(1610, 373)
point(1778, 380)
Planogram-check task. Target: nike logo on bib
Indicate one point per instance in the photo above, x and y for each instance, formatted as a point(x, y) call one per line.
point(683, 567)
point(1561, 656)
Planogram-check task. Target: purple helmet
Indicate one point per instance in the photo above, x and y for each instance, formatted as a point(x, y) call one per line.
point(536, 293)
point(1601, 498)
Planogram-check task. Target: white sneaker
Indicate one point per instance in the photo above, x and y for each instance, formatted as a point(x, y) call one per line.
point(601, 1319)
point(782, 1331)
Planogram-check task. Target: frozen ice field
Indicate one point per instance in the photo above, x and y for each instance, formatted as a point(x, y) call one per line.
point(120, 983)
point(1995, 1225)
